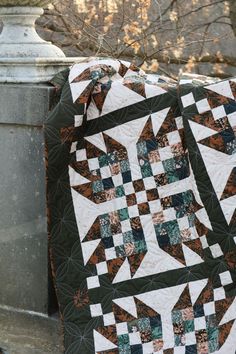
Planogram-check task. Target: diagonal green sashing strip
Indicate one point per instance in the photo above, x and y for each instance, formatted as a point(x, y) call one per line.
point(132, 112)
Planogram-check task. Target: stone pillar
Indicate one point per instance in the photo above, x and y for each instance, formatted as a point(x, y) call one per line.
point(27, 63)
point(23, 228)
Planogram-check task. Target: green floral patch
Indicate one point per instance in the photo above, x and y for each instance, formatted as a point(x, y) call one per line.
point(123, 214)
point(128, 237)
point(169, 165)
point(142, 148)
point(103, 160)
point(144, 325)
point(124, 165)
point(188, 326)
point(140, 246)
point(120, 192)
point(120, 251)
point(146, 169)
point(156, 332)
point(172, 177)
point(123, 344)
point(97, 186)
point(176, 316)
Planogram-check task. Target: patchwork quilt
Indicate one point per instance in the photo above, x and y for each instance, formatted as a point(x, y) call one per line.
point(141, 188)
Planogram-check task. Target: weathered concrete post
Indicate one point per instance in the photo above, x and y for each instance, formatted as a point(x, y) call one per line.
point(26, 64)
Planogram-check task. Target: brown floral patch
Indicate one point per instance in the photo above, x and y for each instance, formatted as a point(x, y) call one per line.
point(154, 156)
point(158, 345)
point(206, 295)
point(121, 315)
point(135, 223)
point(230, 188)
point(184, 300)
point(201, 336)
point(224, 331)
point(146, 336)
point(168, 351)
point(143, 310)
point(94, 232)
point(201, 228)
point(187, 314)
point(221, 307)
point(131, 199)
point(166, 202)
point(138, 185)
point(129, 248)
point(177, 149)
point(152, 194)
point(161, 179)
point(115, 168)
point(230, 258)
point(215, 99)
point(143, 208)
point(135, 260)
point(158, 218)
point(109, 332)
point(110, 193)
point(81, 298)
point(122, 70)
point(178, 328)
point(98, 255)
point(202, 348)
point(113, 266)
point(175, 251)
point(162, 141)
point(196, 246)
point(100, 197)
point(82, 168)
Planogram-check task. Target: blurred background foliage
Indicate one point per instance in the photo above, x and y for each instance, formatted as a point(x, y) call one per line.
point(167, 36)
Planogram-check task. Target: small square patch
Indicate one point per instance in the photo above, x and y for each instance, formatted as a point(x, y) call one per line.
point(109, 319)
point(93, 164)
point(141, 197)
point(199, 323)
point(155, 206)
point(81, 155)
point(173, 137)
point(118, 239)
point(209, 308)
point(165, 154)
point(190, 338)
point(101, 268)
point(134, 338)
point(219, 293)
point(121, 328)
point(129, 188)
point(157, 168)
point(203, 106)
point(216, 250)
point(105, 172)
point(93, 282)
point(125, 226)
point(188, 100)
point(149, 183)
point(110, 253)
point(96, 310)
point(225, 278)
point(218, 112)
point(204, 241)
point(133, 211)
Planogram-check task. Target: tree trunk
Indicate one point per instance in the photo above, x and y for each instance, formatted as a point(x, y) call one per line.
point(232, 6)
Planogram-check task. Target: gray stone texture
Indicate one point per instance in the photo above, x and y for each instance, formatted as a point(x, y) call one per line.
point(26, 334)
point(23, 228)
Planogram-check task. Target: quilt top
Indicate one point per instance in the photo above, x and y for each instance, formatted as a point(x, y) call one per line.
point(141, 186)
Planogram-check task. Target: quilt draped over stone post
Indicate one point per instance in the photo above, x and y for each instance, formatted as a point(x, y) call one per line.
point(141, 186)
